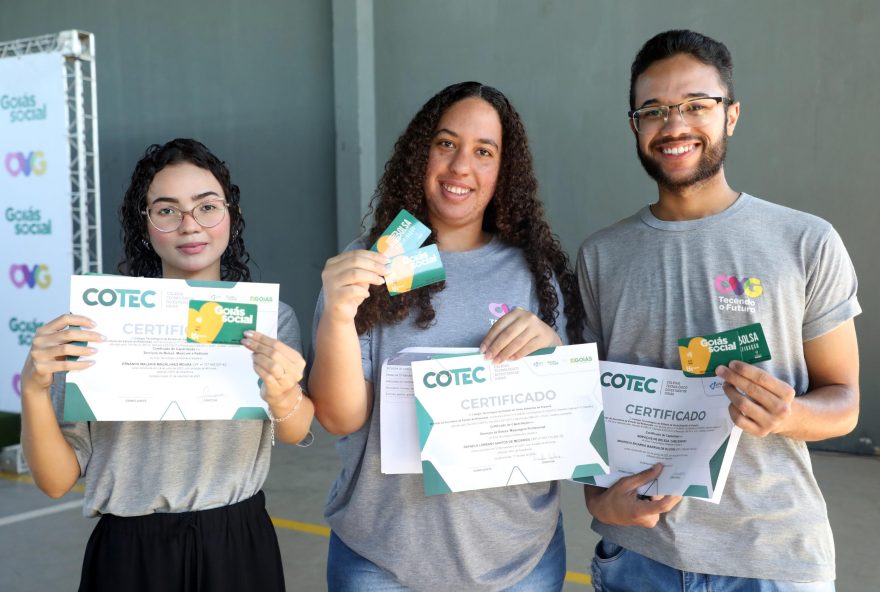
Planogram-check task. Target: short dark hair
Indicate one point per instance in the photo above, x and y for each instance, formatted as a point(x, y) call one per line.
point(138, 257)
point(670, 43)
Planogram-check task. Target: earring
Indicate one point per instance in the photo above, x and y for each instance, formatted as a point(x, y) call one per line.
point(147, 244)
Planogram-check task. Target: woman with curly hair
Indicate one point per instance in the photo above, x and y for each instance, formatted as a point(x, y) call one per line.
point(180, 503)
point(463, 166)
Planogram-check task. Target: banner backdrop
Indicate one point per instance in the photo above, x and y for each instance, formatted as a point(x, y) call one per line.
point(36, 255)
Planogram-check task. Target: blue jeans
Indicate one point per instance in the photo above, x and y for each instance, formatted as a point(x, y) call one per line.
point(616, 569)
point(349, 572)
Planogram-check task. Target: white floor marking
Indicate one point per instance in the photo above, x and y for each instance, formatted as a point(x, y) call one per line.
point(41, 512)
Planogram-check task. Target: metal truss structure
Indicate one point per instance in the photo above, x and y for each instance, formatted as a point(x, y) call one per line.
point(78, 49)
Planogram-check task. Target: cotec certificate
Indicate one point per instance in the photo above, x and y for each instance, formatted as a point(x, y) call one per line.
point(655, 415)
point(483, 425)
point(171, 349)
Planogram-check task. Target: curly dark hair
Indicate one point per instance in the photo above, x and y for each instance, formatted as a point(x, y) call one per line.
point(515, 214)
point(139, 258)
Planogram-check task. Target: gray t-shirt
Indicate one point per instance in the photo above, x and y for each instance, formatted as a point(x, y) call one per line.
point(132, 468)
point(646, 283)
point(474, 540)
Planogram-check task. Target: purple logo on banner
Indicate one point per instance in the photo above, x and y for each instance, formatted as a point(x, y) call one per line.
point(36, 276)
point(32, 163)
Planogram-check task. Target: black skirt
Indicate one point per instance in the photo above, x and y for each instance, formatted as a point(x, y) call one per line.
point(232, 548)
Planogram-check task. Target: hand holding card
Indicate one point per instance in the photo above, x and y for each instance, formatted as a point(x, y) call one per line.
point(405, 233)
point(700, 355)
point(411, 267)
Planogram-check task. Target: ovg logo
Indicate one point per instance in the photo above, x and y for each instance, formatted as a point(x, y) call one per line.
point(28, 222)
point(32, 163)
point(22, 108)
point(734, 286)
point(497, 310)
point(24, 330)
point(23, 275)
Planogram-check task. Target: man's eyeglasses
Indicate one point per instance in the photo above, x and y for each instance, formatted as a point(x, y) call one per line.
point(165, 218)
point(693, 112)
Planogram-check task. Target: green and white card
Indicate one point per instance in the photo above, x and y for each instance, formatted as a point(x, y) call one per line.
point(211, 321)
point(701, 355)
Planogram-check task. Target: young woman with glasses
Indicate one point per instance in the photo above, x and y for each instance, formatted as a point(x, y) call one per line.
point(180, 503)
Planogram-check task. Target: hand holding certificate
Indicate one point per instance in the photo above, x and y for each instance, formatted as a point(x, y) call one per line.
point(655, 416)
point(171, 349)
point(399, 447)
point(535, 419)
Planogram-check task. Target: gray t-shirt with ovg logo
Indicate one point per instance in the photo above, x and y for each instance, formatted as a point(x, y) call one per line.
point(645, 283)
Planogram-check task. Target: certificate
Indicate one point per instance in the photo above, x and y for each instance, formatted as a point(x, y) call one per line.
point(483, 425)
point(655, 415)
point(398, 432)
point(171, 349)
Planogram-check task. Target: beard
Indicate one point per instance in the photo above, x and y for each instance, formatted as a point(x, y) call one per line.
point(710, 163)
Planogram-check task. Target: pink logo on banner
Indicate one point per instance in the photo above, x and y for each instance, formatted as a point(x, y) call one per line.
point(19, 163)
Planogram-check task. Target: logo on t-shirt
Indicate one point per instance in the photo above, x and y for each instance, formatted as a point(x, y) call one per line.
point(737, 294)
point(498, 310)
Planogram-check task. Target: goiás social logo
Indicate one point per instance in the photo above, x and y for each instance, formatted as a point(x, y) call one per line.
point(23, 108)
point(28, 221)
point(24, 275)
point(213, 321)
point(24, 330)
point(26, 163)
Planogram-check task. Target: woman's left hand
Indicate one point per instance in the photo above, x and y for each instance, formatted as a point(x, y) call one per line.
point(278, 365)
point(517, 334)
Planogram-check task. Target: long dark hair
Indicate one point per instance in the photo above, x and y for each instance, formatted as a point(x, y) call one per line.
point(139, 258)
point(515, 213)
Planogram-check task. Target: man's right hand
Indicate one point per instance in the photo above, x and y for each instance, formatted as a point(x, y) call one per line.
point(621, 504)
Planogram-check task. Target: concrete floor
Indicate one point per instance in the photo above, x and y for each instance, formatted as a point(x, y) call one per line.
point(44, 552)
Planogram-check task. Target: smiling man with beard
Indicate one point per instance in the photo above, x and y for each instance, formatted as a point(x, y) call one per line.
point(705, 258)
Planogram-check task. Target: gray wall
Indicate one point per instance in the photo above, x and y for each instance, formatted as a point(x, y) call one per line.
point(806, 72)
point(253, 81)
